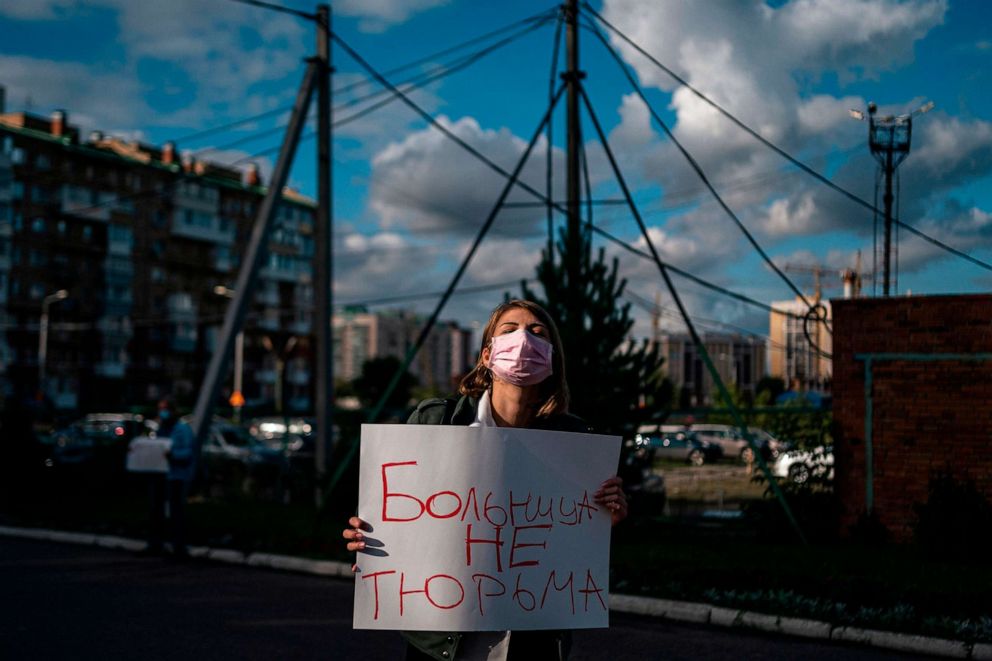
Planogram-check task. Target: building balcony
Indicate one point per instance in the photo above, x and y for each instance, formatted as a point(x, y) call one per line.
point(298, 377)
point(299, 404)
point(267, 296)
point(281, 274)
point(121, 248)
point(65, 400)
point(113, 327)
point(182, 343)
point(110, 370)
point(212, 234)
point(86, 207)
point(265, 376)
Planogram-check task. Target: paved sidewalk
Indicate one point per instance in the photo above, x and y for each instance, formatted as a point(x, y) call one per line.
point(675, 611)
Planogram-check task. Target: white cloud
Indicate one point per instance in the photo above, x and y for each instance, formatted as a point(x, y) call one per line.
point(36, 10)
point(427, 183)
point(379, 15)
point(763, 65)
point(93, 99)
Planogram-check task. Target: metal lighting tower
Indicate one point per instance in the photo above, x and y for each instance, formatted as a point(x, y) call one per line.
point(889, 139)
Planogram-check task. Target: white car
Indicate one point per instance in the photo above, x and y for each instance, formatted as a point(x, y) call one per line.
point(800, 465)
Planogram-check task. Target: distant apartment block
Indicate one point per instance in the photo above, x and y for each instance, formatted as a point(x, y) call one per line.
point(360, 335)
point(798, 350)
point(738, 359)
point(142, 239)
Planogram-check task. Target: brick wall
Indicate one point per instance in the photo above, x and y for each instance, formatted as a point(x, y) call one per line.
point(928, 418)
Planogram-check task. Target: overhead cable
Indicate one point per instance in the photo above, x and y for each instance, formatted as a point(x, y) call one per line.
point(696, 339)
point(781, 152)
point(697, 168)
point(271, 6)
point(537, 194)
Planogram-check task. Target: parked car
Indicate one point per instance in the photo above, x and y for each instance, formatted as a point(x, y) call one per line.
point(729, 438)
point(231, 455)
point(801, 465)
point(680, 445)
point(96, 436)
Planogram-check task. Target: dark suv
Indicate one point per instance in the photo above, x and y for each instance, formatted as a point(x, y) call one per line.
point(98, 436)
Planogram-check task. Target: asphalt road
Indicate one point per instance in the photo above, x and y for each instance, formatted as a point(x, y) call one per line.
point(61, 601)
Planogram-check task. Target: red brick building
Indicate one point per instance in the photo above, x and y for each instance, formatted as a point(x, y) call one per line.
point(926, 360)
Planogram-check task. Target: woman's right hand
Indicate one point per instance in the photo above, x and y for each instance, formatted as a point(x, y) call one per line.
point(355, 534)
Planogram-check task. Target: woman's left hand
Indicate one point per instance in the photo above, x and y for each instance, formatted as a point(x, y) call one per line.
point(611, 496)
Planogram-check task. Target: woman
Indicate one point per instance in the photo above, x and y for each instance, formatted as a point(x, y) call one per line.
point(518, 381)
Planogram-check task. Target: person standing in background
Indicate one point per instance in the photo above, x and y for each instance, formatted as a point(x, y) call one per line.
point(172, 486)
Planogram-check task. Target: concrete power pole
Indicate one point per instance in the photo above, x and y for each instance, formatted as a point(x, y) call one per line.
point(323, 285)
point(889, 139)
point(572, 76)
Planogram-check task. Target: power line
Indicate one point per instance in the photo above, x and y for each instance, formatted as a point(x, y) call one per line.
point(396, 93)
point(697, 168)
point(689, 276)
point(477, 154)
point(277, 8)
point(781, 152)
point(452, 49)
point(649, 306)
point(400, 298)
point(224, 128)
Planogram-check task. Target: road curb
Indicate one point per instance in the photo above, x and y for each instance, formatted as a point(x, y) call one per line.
point(678, 611)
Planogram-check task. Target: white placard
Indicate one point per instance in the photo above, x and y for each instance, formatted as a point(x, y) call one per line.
point(483, 529)
point(147, 455)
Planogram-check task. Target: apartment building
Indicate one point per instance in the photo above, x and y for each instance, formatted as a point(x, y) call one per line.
point(141, 240)
point(799, 350)
point(359, 335)
point(738, 359)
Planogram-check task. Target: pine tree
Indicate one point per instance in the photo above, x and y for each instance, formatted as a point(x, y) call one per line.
point(615, 382)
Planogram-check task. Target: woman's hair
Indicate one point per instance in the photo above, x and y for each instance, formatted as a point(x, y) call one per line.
point(553, 391)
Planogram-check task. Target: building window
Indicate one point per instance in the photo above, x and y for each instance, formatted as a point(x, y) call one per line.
point(61, 227)
point(38, 225)
point(121, 234)
point(87, 233)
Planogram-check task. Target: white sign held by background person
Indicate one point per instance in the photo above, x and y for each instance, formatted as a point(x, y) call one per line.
point(477, 529)
point(147, 455)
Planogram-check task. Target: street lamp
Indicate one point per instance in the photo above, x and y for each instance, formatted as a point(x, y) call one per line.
point(60, 295)
point(280, 356)
point(239, 358)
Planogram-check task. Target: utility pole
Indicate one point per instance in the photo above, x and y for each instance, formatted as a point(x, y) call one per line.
point(889, 139)
point(251, 263)
point(323, 264)
point(572, 77)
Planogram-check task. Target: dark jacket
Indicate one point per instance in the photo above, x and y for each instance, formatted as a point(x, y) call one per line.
point(443, 646)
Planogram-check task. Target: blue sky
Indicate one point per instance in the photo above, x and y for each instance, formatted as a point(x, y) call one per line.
point(408, 202)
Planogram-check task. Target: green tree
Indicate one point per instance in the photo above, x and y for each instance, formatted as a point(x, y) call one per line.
point(376, 375)
point(615, 382)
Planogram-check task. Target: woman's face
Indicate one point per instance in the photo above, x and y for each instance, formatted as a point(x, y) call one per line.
point(514, 319)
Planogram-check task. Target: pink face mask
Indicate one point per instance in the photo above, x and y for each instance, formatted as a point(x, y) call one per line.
point(520, 358)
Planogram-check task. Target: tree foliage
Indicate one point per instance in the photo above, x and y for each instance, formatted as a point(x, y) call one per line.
point(615, 383)
point(376, 375)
